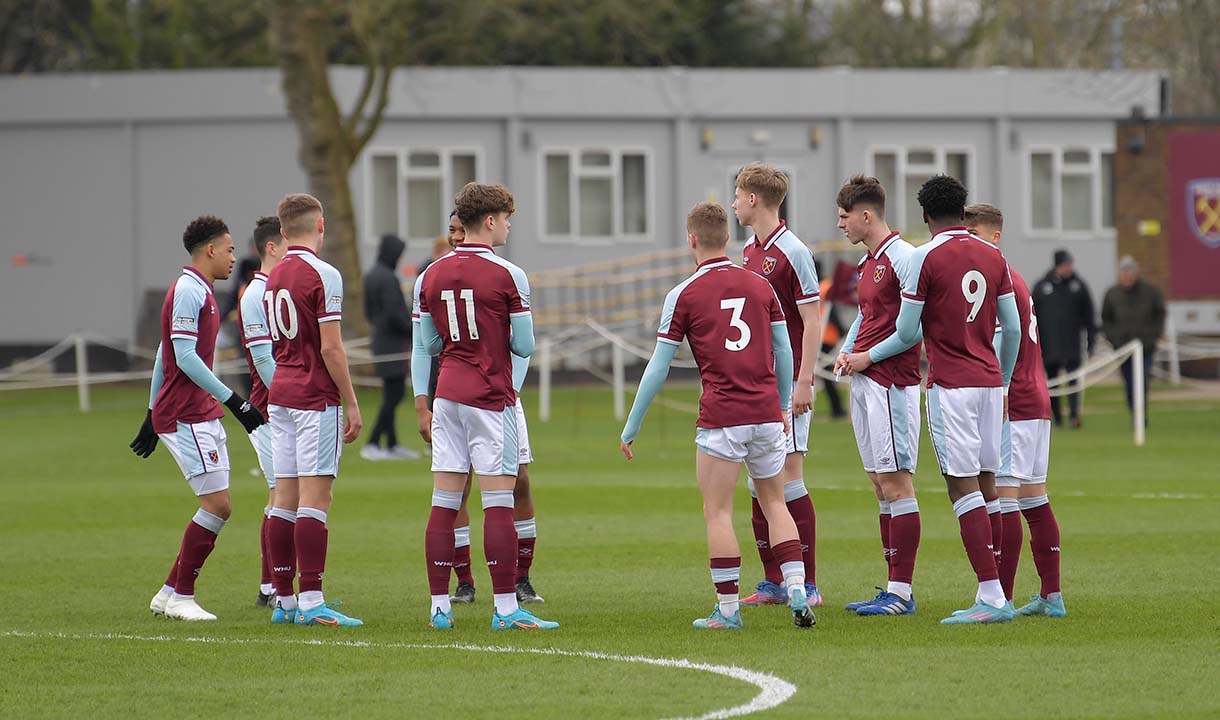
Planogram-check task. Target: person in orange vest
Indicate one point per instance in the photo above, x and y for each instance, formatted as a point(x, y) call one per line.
point(832, 332)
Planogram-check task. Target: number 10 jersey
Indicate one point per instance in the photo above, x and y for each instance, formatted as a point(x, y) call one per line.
point(472, 295)
point(959, 279)
point(303, 291)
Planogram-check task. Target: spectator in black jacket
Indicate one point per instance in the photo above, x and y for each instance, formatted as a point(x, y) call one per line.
point(1133, 309)
point(390, 327)
point(1065, 311)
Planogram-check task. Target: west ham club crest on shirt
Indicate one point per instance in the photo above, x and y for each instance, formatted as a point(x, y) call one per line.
point(768, 265)
point(878, 273)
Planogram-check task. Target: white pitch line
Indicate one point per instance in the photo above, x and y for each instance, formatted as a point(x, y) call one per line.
point(772, 691)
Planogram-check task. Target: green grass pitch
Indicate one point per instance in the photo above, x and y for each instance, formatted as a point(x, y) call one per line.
point(88, 531)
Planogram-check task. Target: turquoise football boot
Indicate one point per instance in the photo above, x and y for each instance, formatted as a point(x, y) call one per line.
point(442, 620)
point(718, 621)
point(980, 612)
point(326, 615)
point(1039, 605)
point(521, 620)
point(280, 616)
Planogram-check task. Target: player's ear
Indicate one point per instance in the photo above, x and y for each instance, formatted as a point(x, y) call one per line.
point(321, 226)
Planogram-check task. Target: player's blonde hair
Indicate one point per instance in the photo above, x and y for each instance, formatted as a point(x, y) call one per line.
point(709, 223)
point(984, 214)
point(296, 214)
point(768, 182)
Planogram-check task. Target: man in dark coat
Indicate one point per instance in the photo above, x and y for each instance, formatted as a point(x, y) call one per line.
point(1065, 310)
point(1133, 309)
point(390, 327)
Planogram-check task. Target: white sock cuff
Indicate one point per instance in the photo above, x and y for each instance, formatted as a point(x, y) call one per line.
point(1033, 502)
point(792, 569)
point(314, 513)
point(526, 528)
point(993, 506)
point(905, 506)
point(966, 503)
point(283, 514)
point(497, 498)
point(795, 489)
point(720, 575)
point(885, 507)
point(1009, 505)
point(461, 536)
point(208, 521)
point(451, 500)
point(267, 511)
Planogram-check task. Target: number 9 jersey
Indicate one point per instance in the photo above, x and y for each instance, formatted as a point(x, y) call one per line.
point(959, 279)
point(303, 291)
point(472, 296)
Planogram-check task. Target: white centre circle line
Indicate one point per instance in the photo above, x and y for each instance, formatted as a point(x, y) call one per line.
point(772, 691)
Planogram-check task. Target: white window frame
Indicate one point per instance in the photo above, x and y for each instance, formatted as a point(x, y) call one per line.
point(614, 172)
point(402, 153)
point(896, 198)
point(1092, 170)
point(791, 218)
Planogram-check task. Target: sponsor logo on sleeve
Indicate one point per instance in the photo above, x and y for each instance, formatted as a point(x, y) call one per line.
point(185, 323)
point(255, 330)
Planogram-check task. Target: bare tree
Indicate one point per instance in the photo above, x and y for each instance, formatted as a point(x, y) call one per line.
point(305, 36)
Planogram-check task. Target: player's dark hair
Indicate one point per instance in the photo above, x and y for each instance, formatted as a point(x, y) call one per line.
point(453, 213)
point(862, 190)
point(266, 229)
point(201, 231)
point(943, 198)
point(476, 201)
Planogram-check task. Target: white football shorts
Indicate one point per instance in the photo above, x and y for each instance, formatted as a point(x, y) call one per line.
point(1025, 452)
point(262, 442)
point(464, 436)
point(798, 441)
point(886, 421)
point(306, 443)
point(525, 455)
point(202, 453)
point(762, 447)
point(965, 424)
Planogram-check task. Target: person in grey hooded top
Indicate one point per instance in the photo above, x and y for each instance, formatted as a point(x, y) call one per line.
point(390, 327)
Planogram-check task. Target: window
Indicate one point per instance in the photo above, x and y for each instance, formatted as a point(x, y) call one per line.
point(904, 170)
point(410, 191)
point(599, 194)
point(740, 234)
point(1071, 189)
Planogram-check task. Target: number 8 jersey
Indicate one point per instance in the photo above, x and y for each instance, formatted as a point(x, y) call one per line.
point(303, 291)
point(726, 313)
point(959, 279)
point(472, 295)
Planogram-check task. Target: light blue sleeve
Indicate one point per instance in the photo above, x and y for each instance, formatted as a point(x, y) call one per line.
point(521, 342)
point(1010, 340)
point(782, 347)
point(264, 362)
point(650, 384)
point(429, 336)
point(907, 332)
point(996, 339)
point(158, 378)
point(190, 363)
point(849, 342)
point(421, 362)
point(521, 368)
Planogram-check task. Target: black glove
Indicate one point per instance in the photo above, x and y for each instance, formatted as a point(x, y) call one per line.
point(146, 440)
point(245, 413)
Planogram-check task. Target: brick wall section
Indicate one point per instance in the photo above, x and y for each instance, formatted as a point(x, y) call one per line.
point(1141, 193)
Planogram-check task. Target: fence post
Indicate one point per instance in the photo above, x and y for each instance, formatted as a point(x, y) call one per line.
point(1174, 359)
point(616, 366)
point(1137, 392)
point(544, 380)
point(82, 373)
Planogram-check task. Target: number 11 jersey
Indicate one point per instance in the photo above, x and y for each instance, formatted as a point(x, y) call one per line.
point(303, 291)
point(472, 295)
point(959, 280)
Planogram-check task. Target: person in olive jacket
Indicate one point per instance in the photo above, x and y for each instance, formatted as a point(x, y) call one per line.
point(390, 327)
point(1133, 309)
point(1064, 308)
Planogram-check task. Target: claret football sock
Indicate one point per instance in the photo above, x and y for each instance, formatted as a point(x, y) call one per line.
point(197, 543)
point(905, 530)
point(461, 556)
point(975, 528)
point(527, 538)
point(801, 506)
point(726, 576)
point(762, 538)
point(500, 541)
point(997, 528)
point(264, 585)
point(883, 522)
point(281, 543)
point(439, 539)
point(1010, 553)
point(311, 539)
point(1043, 541)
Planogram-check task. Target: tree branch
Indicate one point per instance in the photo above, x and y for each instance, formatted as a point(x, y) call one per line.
point(374, 121)
point(362, 100)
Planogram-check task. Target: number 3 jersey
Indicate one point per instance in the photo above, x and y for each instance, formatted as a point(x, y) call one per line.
point(302, 292)
point(252, 320)
point(726, 313)
point(472, 295)
point(959, 279)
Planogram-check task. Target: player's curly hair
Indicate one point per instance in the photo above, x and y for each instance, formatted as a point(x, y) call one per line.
point(266, 229)
point(201, 231)
point(943, 198)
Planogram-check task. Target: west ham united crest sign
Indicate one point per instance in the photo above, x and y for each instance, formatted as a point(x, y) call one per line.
point(1203, 210)
point(878, 273)
point(768, 265)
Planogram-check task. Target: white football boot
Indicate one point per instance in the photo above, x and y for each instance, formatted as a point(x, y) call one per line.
point(182, 607)
point(159, 600)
